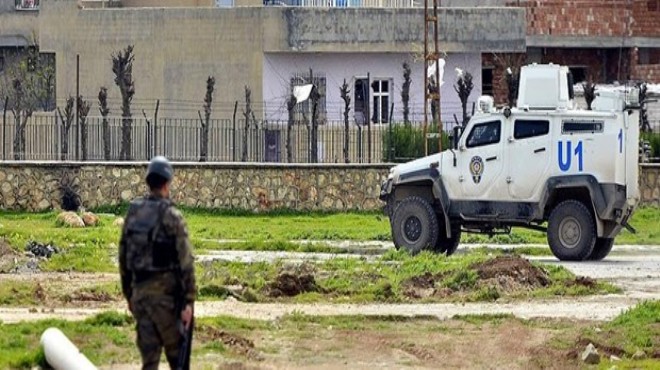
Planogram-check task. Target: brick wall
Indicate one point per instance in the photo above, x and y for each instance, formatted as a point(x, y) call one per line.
point(591, 17)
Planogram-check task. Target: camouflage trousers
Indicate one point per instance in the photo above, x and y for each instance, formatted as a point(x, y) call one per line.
point(156, 326)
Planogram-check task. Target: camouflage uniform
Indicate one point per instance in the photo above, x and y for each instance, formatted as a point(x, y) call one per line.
point(156, 267)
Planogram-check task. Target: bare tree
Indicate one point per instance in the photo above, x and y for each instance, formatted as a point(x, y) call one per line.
point(644, 125)
point(589, 92)
point(464, 89)
point(510, 64)
point(122, 67)
point(315, 97)
point(27, 85)
point(345, 96)
point(290, 105)
point(104, 110)
point(405, 92)
point(67, 120)
point(208, 99)
point(83, 112)
point(247, 113)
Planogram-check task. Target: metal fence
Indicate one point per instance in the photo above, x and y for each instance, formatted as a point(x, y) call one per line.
point(180, 140)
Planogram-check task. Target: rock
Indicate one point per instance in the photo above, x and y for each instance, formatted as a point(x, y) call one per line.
point(639, 355)
point(119, 222)
point(590, 355)
point(70, 219)
point(614, 358)
point(90, 219)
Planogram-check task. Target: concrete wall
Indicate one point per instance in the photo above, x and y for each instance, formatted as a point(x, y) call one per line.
point(34, 186)
point(280, 67)
point(17, 28)
point(176, 49)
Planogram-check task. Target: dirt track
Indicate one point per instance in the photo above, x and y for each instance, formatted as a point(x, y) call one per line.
point(635, 269)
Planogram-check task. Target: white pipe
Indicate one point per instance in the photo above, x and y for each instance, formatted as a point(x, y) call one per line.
point(61, 354)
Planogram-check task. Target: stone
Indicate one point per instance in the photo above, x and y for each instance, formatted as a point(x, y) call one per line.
point(590, 355)
point(90, 219)
point(126, 195)
point(6, 187)
point(70, 219)
point(639, 355)
point(614, 358)
point(43, 205)
point(119, 222)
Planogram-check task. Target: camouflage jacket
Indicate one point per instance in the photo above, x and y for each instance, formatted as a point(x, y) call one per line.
point(181, 275)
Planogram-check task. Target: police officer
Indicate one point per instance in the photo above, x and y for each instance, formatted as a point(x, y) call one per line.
point(156, 268)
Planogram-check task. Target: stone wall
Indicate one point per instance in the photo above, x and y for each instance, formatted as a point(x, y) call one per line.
point(35, 185)
point(649, 184)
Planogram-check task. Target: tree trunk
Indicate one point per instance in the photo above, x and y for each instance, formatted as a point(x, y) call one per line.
point(289, 127)
point(106, 138)
point(315, 133)
point(17, 136)
point(83, 137)
point(126, 123)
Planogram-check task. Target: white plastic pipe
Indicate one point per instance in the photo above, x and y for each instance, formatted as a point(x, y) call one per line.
point(61, 354)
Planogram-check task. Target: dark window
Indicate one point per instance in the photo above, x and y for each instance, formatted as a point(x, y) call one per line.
point(653, 5)
point(2, 63)
point(579, 73)
point(523, 129)
point(579, 127)
point(487, 81)
point(484, 134)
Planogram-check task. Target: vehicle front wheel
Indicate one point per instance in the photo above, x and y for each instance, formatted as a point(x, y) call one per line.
point(571, 231)
point(602, 248)
point(414, 225)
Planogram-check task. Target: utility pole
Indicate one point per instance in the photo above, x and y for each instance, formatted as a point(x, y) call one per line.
point(434, 55)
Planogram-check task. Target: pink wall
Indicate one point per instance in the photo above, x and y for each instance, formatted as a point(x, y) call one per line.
point(279, 68)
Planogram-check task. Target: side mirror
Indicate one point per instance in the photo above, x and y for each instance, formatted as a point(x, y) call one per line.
point(457, 131)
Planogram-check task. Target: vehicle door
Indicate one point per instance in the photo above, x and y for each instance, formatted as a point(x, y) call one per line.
point(529, 153)
point(480, 161)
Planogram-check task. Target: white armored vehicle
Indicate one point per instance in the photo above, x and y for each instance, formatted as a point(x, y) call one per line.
point(541, 161)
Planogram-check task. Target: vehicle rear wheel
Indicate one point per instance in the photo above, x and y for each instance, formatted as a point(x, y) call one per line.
point(571, 231)
point(602, 248)
point(414, 225)
point(445, 244)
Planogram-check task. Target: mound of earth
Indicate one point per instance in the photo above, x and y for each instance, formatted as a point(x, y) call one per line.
point(424, 286)
point(511, 273)
point(69, 219)
point(293, 281)
point(236, 343)
point(89, 297)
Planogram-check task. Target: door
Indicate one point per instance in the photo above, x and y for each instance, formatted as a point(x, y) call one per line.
point(529, 157)
point(480, 162)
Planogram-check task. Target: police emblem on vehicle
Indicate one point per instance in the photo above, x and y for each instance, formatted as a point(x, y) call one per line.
point(476, 168)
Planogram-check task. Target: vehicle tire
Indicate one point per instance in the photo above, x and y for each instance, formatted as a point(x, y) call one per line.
point(415, 225)
point(602, 248)
point(571, 231)
point(445, 244)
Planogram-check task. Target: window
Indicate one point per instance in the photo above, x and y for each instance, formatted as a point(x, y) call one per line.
point(523, 129)
point(579, 73)
point(580, 127)
point(487, 81)
point(484, 134)
point(302, 113)
point(381, 100)
point(649, 56)
point(653, 5)
point(27, 4)
point(2, 63)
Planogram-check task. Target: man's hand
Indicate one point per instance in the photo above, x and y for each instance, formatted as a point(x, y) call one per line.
point(186, 316)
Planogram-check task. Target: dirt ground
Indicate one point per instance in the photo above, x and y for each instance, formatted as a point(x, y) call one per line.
point(420, 344)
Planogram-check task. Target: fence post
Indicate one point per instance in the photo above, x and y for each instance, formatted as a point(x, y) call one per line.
point(4, 128)
point(77, 108)
point(155, 131)
point(233, 144)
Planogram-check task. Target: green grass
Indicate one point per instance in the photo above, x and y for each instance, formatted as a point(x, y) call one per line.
point(636, 329)
point(95, 249)
point(100, 338)
point(384, 279)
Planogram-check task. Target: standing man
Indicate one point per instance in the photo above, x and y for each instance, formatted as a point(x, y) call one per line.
point(157, 273)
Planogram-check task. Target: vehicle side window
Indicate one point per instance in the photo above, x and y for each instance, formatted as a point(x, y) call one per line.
point(484, 134)
point(523, 128)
